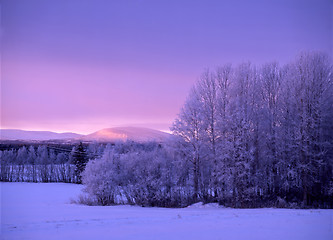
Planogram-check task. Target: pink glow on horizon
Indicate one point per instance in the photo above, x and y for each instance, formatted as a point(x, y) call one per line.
point(85, 106)
point(81, 66)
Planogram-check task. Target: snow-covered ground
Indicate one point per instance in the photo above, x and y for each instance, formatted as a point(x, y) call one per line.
point(43, 211)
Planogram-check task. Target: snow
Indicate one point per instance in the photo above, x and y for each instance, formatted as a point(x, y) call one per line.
point(16, 134)
point(138, 134)
point(202, 205)
point(44, 211)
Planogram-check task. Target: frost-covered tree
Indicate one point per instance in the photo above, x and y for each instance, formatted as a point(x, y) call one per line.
point(266, 132)
point(42, 161)
point(190, 128)
point(312, 88)
point(32, 162)
point(7, 158)
point(21, 159)
point(270, 85)
point(79, 159)
point(207, 88)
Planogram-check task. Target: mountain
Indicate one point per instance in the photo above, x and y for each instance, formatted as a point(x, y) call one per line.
point(127, 133)
point(16, 134)
point(105, 135)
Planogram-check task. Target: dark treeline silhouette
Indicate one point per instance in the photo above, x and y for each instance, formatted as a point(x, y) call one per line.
point(43, 162)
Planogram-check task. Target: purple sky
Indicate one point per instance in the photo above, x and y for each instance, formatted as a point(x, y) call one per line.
point(73, 65)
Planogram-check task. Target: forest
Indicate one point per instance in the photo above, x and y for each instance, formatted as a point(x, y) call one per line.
point(258, 135)
point(38, 162)
point(247, 136)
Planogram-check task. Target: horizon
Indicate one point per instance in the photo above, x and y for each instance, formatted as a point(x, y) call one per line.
point(69, 66)
point(86, 133)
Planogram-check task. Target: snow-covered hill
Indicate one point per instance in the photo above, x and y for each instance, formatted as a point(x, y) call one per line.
point(105, 135)
point(16, 134)
point(127, 133)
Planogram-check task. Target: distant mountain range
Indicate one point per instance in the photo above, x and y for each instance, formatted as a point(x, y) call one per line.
point(16, 134)
point(105, 135)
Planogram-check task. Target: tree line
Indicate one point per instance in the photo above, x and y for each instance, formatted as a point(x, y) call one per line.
point(251, 135)
point(43, 163)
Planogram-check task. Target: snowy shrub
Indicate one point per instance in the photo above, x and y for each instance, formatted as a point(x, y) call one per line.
point(142, 177)
point(281, 203)
point(98, 178)
point(85, 200)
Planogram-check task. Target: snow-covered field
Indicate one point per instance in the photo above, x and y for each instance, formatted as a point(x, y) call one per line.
point(43, 211)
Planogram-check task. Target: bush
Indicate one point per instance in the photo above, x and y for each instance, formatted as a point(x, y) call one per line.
point(139, 177)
